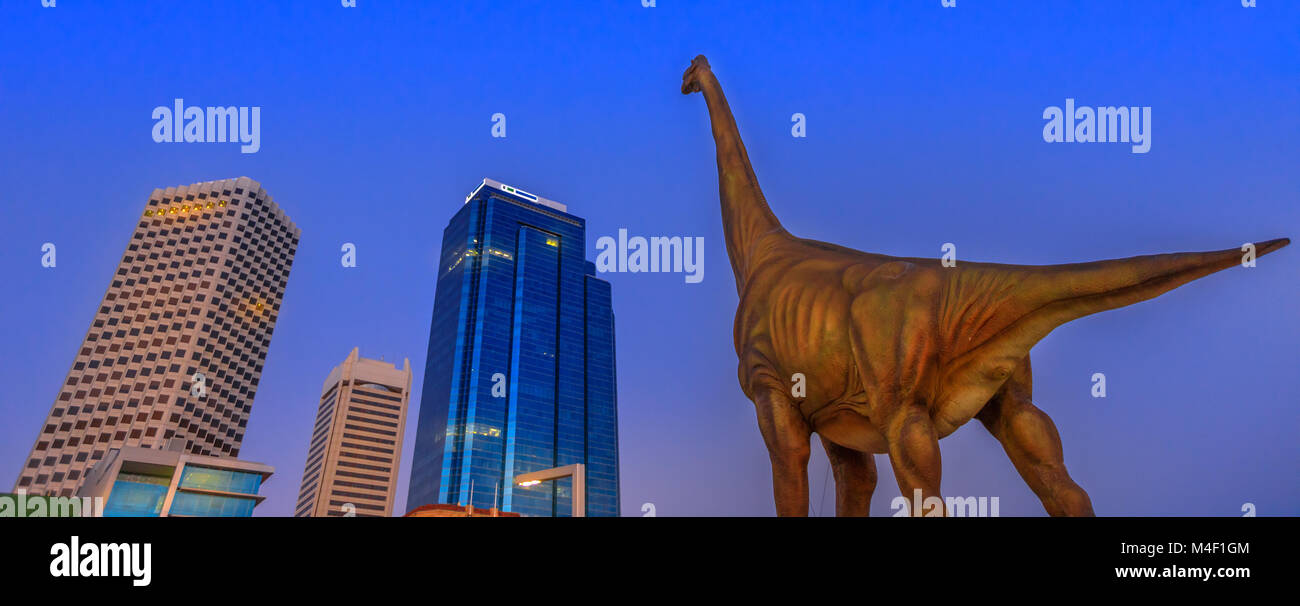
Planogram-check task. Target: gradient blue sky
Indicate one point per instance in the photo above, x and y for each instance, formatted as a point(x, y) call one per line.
point(924, 127)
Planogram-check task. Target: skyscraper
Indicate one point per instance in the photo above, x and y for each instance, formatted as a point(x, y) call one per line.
point(356, 445)
point(520, 369)
point(176, 347)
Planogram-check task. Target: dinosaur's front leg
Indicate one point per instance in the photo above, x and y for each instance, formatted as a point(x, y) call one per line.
point(893, 347)
point(787, 436)
point(855, 479)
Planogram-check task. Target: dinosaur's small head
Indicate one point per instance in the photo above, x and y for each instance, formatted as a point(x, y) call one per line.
point(691, 79)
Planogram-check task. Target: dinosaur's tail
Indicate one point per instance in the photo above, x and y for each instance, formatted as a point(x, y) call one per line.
point(1055, 294)
point(1068, 292)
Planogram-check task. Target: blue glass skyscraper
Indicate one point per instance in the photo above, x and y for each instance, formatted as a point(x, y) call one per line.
point(520, 369)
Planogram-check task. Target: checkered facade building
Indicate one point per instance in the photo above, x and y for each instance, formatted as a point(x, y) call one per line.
point(198, 291)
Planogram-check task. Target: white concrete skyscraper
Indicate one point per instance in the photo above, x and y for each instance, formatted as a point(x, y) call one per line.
point(176, 347)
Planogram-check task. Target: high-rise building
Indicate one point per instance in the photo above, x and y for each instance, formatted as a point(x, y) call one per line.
point(356, 445)
point(520, 369)
point(176, 347)
point(169, 482)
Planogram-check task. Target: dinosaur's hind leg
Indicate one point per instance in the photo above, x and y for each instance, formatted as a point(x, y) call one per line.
point(1034, 446)
point(855, 479)
point(788, 446)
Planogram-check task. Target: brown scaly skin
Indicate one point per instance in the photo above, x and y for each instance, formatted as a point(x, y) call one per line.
point(900, 352)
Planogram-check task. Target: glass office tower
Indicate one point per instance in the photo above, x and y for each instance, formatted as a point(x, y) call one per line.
point(520, 369)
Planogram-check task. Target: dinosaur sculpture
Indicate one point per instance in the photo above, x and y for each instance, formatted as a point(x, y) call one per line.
point(897, 353)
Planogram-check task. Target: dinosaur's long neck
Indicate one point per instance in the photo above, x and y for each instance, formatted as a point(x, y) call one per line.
point(745, 214)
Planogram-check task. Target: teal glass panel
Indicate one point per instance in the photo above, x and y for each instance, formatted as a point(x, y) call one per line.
point(210, 505)
point(136, 496)
point(222, 480)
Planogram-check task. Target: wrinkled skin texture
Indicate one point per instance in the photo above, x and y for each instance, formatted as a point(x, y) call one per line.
point(897, 353)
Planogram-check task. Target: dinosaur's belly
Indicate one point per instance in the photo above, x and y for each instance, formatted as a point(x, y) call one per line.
point(954, 411)
point(848, 425)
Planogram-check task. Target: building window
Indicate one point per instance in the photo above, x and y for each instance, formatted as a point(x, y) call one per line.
point(136, 495)
point(193, 504)
point(221, 480)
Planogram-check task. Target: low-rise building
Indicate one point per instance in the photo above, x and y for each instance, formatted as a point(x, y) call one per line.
point(444, 510)
point(170, 482)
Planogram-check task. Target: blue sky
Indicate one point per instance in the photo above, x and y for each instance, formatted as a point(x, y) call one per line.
point(924, 127)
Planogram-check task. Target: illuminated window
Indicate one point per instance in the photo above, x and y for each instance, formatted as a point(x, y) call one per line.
point(221, 480)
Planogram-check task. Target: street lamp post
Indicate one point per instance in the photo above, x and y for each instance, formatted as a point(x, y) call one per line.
point(579, 473)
